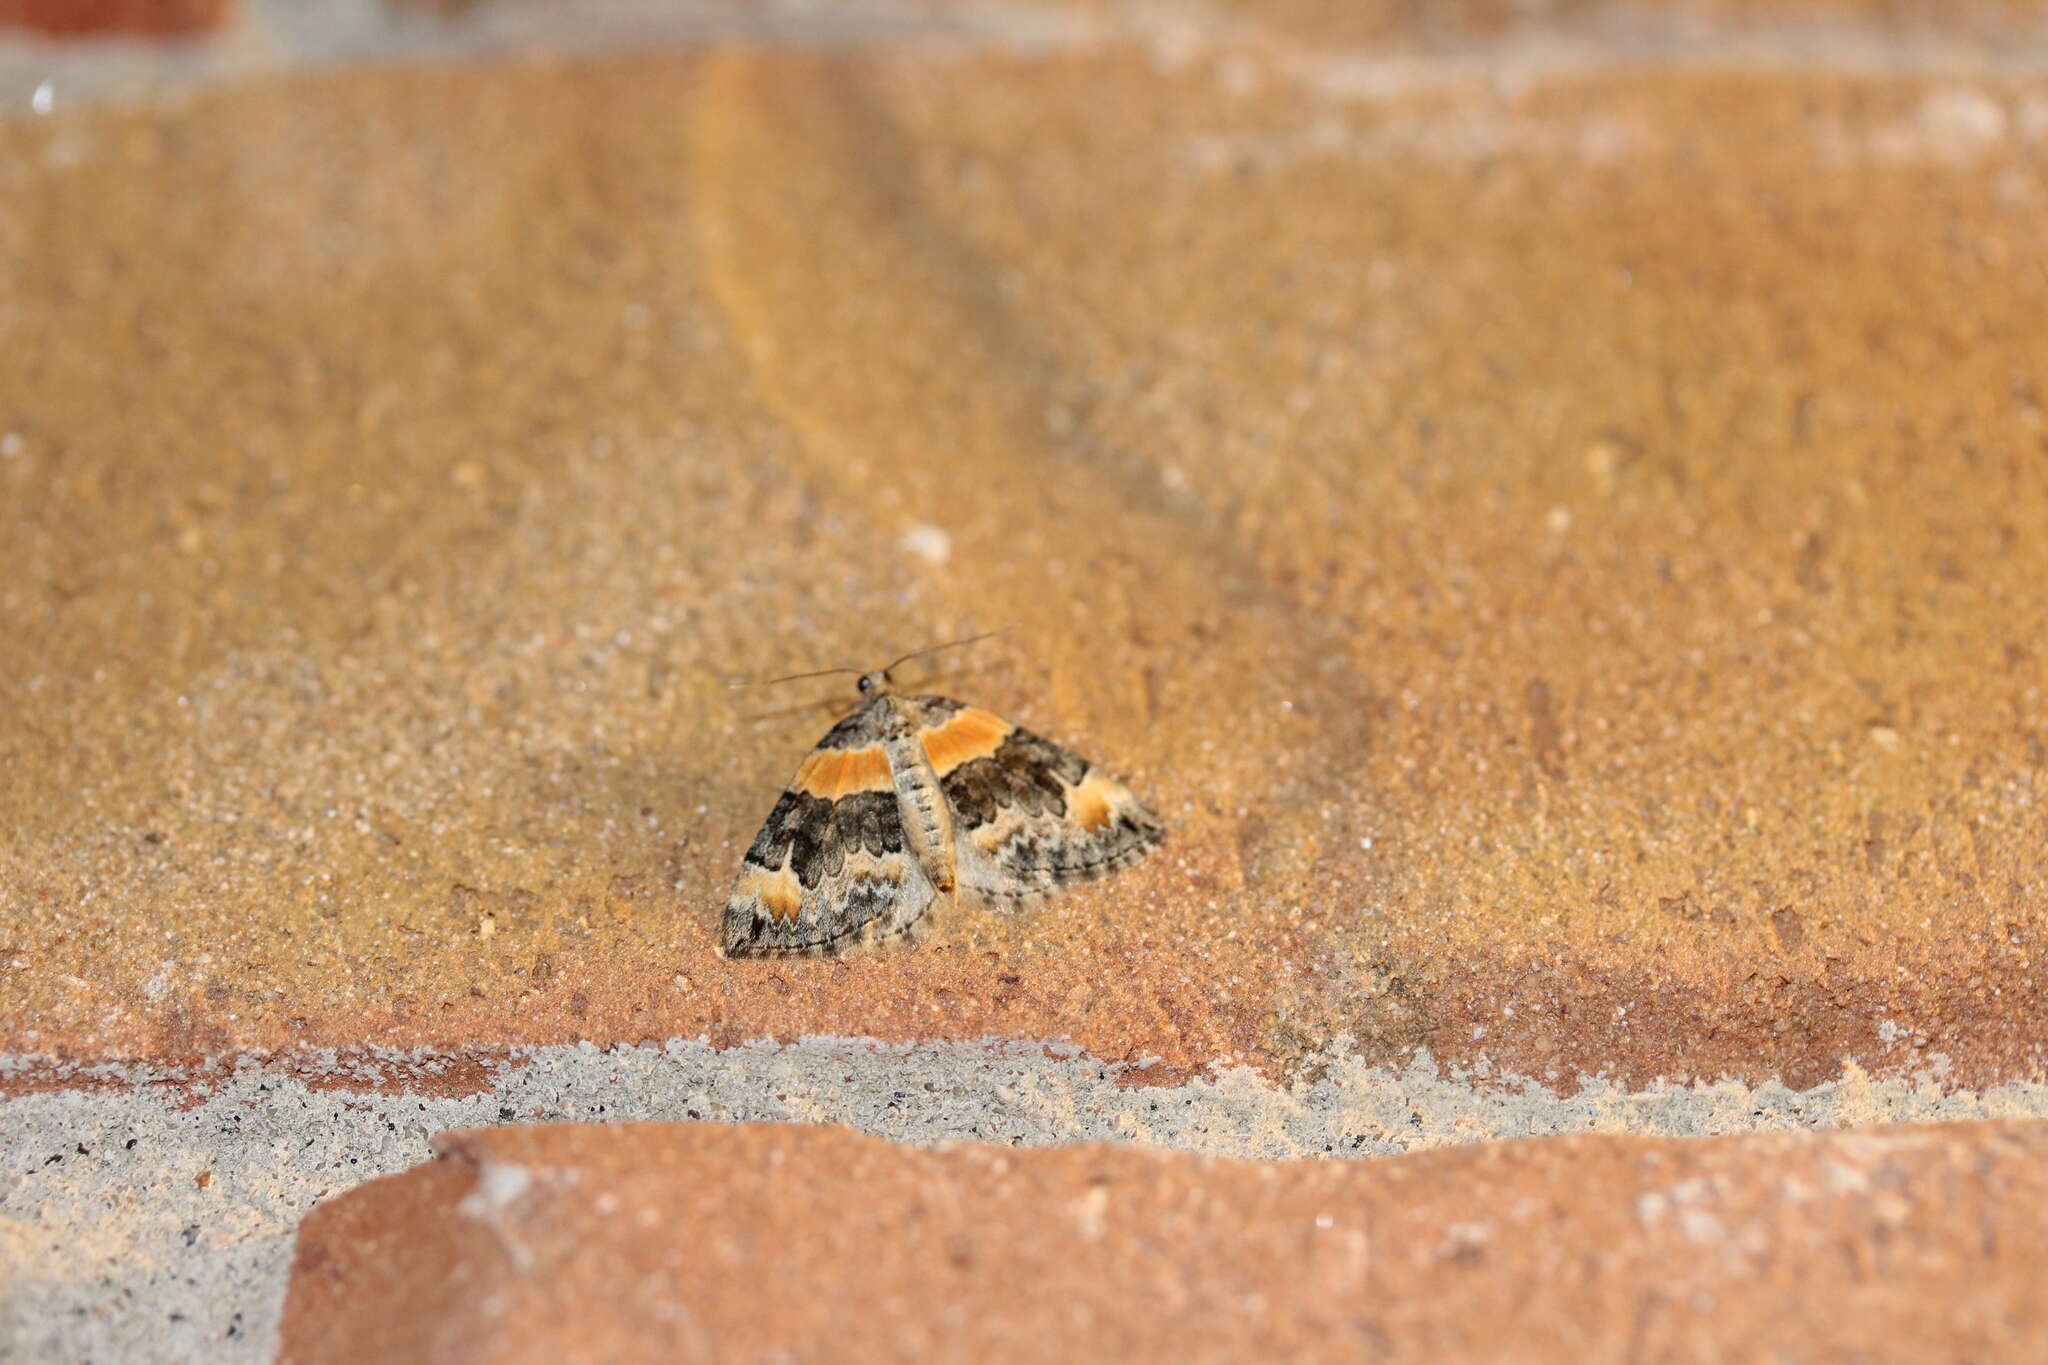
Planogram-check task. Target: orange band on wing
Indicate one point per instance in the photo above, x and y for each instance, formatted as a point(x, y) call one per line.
point(778, 891)
point(970, 734)
point(1090, 805)
point(833, 773)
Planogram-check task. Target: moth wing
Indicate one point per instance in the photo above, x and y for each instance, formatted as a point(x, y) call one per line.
point(1031, 817)
point(829, 870)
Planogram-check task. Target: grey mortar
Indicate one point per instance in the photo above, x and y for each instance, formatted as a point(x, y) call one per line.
point(111, 1250)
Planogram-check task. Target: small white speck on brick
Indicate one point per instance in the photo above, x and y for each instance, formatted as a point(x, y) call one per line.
point(1699, 1225)
point(1089, 1211)
point(928, 543)
point(499, 1185)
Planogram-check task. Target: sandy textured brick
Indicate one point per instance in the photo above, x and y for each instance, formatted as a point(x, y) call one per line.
point(1555, 541)
point(674, 1242)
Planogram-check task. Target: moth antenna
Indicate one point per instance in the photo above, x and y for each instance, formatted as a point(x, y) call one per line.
point(950, 644)
point(793, 677)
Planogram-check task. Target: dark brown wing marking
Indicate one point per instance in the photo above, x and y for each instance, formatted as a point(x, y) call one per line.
point(1034, 816)
point(823, 874)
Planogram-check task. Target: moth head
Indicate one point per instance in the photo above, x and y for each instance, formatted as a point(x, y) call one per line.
point(876, 684)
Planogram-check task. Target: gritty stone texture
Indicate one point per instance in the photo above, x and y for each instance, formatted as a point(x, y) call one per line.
point(149, 1217)
point(1559, 549)
point(687, 1242)
point(1542, 498)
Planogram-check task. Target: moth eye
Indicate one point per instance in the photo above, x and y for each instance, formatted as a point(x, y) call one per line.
point(866, 685)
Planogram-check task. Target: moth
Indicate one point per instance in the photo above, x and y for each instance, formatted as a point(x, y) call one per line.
point(909, 801)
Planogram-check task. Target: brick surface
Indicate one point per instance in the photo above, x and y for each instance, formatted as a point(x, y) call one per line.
point(1559, 548)
point(82, 18)
point(702, 1242)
